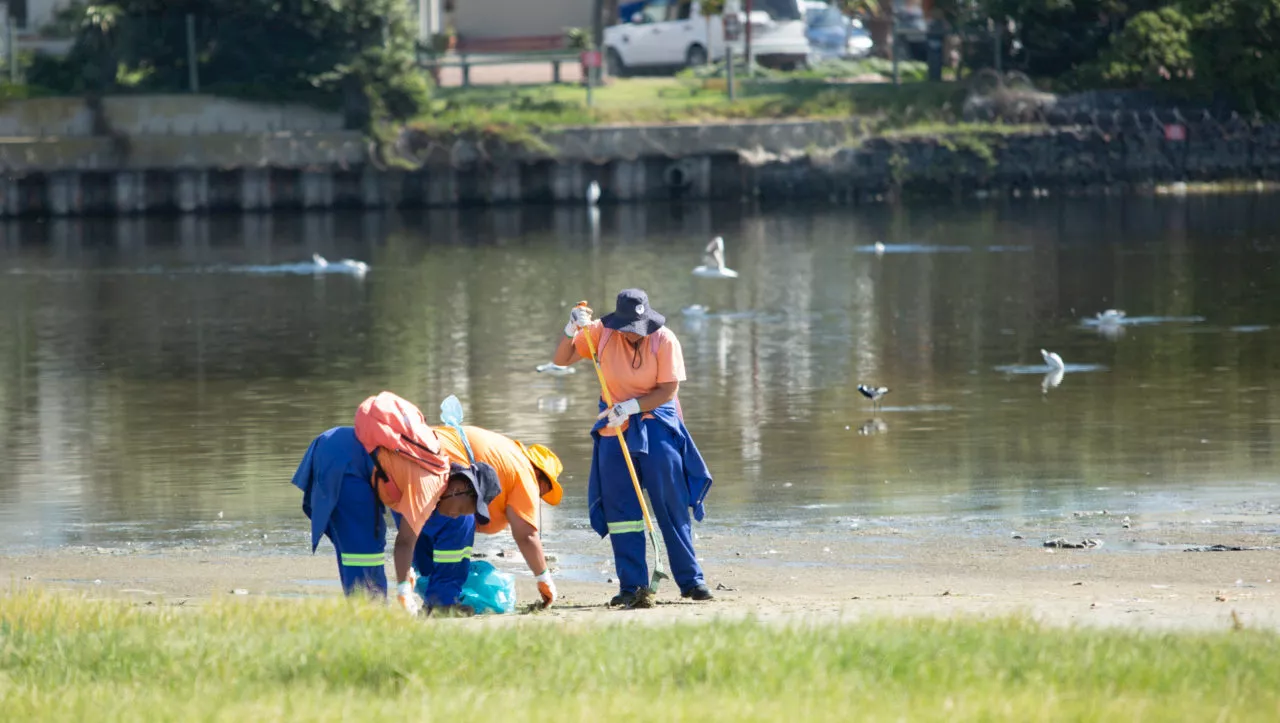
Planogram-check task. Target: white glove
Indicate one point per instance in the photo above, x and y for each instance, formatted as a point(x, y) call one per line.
point(620, 412)
point(407, 598)
point(579, 316)
point(546, 588)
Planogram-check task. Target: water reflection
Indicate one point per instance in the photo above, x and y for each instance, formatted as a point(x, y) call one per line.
point(140, 398)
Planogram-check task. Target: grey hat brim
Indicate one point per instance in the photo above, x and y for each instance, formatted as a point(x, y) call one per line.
point(484, 480)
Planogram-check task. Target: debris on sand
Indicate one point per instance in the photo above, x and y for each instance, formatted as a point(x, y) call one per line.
point(1063, 544)
point(1225, 548)
point(643, 600)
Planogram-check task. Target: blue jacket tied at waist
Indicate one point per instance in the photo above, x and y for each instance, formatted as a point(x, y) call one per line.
point(332, 457)
point(696, 476)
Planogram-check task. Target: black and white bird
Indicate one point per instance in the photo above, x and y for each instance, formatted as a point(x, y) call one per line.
point(873, 393)
point(713, 262)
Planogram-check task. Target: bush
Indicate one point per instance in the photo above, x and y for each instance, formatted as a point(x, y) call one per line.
point(358, 53)
point(1153, 48)
point(1236, 44)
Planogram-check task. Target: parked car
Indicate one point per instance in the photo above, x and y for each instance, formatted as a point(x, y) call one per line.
point(834, 35)
point(669, 34)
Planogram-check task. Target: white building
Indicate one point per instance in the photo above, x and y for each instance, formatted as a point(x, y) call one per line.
point(31, 15)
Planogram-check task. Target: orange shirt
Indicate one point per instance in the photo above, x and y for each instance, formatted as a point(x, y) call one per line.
point(515, 473)
point(633, 373)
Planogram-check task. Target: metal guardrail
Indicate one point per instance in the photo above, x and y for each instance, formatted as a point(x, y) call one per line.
point(466, 61)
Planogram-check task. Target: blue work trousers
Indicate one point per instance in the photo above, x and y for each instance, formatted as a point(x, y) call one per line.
point(442, 558)
point(661, 473)
point(358, 531)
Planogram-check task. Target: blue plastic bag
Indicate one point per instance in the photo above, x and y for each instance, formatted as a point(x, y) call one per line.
point(488, 590)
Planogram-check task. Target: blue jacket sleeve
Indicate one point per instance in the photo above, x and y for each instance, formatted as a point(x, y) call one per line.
point(696, 475)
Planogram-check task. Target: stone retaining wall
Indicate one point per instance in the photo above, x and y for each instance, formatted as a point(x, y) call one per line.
point(807, 161)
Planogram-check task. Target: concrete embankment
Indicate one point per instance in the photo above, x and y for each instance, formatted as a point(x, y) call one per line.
point(190, 154)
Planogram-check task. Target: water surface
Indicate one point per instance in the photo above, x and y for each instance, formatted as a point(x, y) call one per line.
point(158, 384)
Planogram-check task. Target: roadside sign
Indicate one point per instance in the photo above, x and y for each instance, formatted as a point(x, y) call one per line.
point(591, 59)
point(732, 27)
point(1175, 132)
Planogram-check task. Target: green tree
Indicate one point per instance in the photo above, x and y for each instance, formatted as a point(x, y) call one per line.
point(1154, 48)
point(1236, 44)
point(357, 53)
point(1056, 37)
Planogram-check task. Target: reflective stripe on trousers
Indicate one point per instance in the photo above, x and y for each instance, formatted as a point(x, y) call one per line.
point(618, 528)
point(355, 559)
point(441, 557)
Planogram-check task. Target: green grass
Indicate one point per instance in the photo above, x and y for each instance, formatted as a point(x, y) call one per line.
point(518, 112)
point(68, 659)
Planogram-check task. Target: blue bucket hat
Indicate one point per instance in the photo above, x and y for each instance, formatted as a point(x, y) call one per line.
point(632, 314)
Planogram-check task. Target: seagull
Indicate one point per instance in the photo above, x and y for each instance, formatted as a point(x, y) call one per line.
point(555, 370)
point(873, 393)
point(1053, 360)
point(358, 268)
point(695, 310)
point(319, 261)
point(879, 248)
point(1110, 316)
point(593, 193)
point(713, 262)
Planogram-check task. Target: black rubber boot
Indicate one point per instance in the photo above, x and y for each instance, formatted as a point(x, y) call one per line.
point(623, 600)
point(451, 611)
point(698, 592)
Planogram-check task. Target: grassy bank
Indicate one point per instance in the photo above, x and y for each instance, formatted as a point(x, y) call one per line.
point(68, 659)
point(504, 110)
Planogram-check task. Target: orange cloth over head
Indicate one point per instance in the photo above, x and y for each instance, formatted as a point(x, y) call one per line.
point(420, 490)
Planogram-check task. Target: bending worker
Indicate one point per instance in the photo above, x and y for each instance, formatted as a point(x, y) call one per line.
point(443, 552)
point(390, 458)
point(643, 367)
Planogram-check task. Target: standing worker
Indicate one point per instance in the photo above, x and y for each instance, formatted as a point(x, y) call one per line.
point(443, 550)
point(349, 476)
point(642, 367)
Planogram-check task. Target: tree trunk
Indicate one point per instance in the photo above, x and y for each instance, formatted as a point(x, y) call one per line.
point(881, 29)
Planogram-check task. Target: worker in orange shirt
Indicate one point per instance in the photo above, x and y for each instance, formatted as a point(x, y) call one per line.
point(442, 555)
point(642, 365)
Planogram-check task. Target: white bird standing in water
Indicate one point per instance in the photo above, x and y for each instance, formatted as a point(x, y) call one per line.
point(319, 261)
point(554, 370)
point(879, 247)
point(873, 393)
point(1110, 316)
point(593, 193)
point(1053, 360)
point(713, 262)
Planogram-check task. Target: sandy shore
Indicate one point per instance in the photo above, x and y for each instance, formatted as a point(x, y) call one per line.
point(1140, 578)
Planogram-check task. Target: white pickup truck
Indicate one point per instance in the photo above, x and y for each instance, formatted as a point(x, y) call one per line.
point(674, 34)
